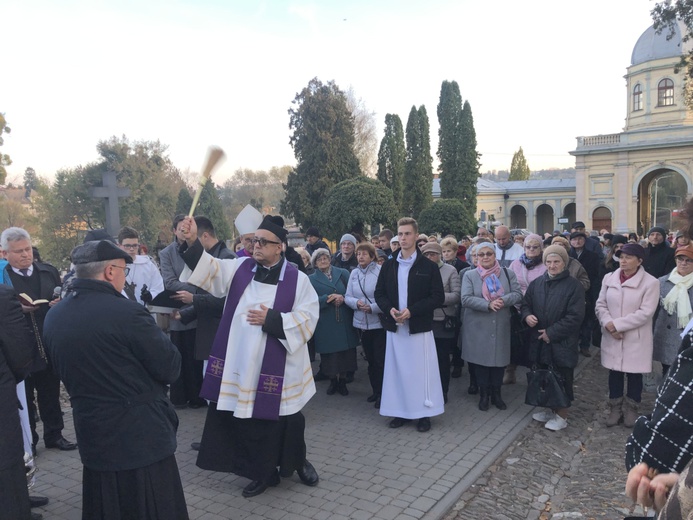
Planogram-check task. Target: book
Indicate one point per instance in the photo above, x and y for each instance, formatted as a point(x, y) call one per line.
point(25, 299)
point(163, 303)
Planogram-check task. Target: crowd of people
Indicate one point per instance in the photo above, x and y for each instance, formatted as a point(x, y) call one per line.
point(237, 332)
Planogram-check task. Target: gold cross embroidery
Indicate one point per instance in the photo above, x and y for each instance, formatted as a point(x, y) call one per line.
point(217, 367)
point(270, 384)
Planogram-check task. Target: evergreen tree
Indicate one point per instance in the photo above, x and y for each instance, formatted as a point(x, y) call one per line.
point(449, 141)
point(30, 181)
point(4, 158)
point(210, 206)
point(447, 217)
point(323, 143)
point(184, 201)
point(418, 172)
point(392, 157)
point(519, 169)
point(469, 160)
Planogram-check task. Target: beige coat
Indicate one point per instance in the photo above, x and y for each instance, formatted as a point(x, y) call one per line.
point(630, 306)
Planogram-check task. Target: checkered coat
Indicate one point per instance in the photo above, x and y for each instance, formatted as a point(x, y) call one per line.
point(664, 440)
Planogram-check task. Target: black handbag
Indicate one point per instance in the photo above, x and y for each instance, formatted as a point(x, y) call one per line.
point(546, 387)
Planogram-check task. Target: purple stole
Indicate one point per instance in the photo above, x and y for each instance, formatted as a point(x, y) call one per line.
point(269, 387)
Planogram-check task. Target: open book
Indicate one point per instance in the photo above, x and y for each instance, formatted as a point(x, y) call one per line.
point(25, 299)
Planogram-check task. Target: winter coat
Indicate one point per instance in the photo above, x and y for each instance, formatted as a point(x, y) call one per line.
point(320, 244)
point(667, 333)
point(334, 331)
point(631, 306)
point(486, 334)
point(349, 265)
point(659, 260)
point(116, 364)
point(578, 272)
point(451, 286)
point(424, 293)
point(559, 305)
point(361, 286)
point(590, 261)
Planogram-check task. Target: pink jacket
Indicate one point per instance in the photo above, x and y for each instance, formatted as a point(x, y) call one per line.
point(524, 276)
point(631, 307)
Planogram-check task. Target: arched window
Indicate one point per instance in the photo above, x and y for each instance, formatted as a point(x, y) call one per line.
point(637, 98)
point(665, 93)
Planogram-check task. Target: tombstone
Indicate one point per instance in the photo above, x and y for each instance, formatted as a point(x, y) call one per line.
point(110, 192)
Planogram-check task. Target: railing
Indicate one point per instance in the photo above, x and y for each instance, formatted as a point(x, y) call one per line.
point(599, 140)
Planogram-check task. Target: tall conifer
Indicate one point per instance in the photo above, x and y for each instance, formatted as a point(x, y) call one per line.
point(418, 178)
point(392, 157)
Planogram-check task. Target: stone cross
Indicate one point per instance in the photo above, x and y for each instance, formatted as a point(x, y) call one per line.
point(110, 192)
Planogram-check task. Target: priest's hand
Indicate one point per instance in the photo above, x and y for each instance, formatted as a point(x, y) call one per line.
point(257, 317)
point(188, 229)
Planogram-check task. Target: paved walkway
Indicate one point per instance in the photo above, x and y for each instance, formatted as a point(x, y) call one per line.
point(369, 471)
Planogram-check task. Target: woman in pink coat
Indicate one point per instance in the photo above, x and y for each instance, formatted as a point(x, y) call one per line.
point(627, 302)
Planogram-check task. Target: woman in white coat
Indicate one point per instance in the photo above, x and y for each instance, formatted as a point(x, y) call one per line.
point(625, 308)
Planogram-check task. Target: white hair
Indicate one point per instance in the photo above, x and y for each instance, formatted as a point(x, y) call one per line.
point(13, 234)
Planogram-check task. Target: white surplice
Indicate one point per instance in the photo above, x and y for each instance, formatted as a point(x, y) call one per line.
point(411, 383)
point(246, 345)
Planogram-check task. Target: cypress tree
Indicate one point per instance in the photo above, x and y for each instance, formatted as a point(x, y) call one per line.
point(210, 206)
point(449, 141)
point(469, 160)
point(519, 169)
point(418, 177)
point(392, 158)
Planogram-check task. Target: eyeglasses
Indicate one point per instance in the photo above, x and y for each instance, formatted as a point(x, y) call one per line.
point(684, 260)
point(486, 254)
point(431, 253)
point(263, 241)
point(130, 246)
point(126, 270)
point(532, 248)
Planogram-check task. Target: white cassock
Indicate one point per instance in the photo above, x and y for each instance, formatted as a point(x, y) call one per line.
point(411, 382)
point(246, 345)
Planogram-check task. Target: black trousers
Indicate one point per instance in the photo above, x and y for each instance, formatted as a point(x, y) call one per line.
point(46, 384)
point(489, 376)
point(373, 342)
point(444, 347)
point(187, 387)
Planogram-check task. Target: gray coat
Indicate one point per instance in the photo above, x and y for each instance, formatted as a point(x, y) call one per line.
point(171, 265)
point(362, 287)
point(666, 332)
point(486, 334)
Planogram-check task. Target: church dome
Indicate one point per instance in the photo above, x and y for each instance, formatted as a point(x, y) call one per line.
point(653, 46)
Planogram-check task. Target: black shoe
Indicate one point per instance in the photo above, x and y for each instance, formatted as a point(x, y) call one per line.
point(483, 399)
point(197, 403)
point(372, 398)
point(195, 446)
point(473, 389)
point(456, 372)
point(377, 403)
point(585, 352)
point(342, 387)
point(320, 376)
point(333, 387)
point(397, 422)
point(496, 398)
point(257, 487)
point(62, 444)
point(349, 377)
point(424, 424)
point(38, 501)
point(307, 474)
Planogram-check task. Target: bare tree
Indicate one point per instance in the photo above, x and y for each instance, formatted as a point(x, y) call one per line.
point(365, 133)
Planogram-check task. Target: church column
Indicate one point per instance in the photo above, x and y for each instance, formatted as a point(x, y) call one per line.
point(625, 208)
point(531, 217)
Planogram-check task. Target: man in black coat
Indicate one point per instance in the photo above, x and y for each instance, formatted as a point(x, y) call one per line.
point(314, 241)
point(659, 255)
point(411, 383)
point(590, 262)
point(39, 281)
point(116, 364)
point(16, 354)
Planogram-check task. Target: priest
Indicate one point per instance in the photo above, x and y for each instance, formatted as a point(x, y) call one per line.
point(258, 375)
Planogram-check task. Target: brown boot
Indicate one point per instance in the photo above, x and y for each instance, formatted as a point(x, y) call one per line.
point(509, 375)
point(630, 412)
point(615, 414)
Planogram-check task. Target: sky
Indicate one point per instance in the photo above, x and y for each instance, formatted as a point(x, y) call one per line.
point(195, 73)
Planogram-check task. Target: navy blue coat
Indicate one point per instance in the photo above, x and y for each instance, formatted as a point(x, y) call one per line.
point(115, 362)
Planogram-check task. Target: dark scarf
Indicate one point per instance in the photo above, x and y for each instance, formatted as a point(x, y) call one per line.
point(530, 263)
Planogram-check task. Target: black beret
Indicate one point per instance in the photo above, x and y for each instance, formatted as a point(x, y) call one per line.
point(98, 251)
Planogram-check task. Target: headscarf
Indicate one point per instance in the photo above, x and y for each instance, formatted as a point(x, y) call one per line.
point(491, 287)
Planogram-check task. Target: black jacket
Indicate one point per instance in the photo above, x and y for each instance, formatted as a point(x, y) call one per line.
point(115, 362)
point(559, 305)
point(320, 244)
point(590, 261)
point(16, 350)
point(424, 293)
point(659, 259)
point(207, 310)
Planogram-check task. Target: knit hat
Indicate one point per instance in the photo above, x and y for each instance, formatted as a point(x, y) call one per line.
point(348, 238)
point(560, 241)
point(657, 229)
point(618, 239)
point(555, 249)
point(312, 231)
point(533, 237)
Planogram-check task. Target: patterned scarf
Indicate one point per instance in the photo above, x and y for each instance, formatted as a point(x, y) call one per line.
point(677, 300)
point(530, 263)
point(491, 287)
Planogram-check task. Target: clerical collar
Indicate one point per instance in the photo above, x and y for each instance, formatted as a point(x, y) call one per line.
point(269, 275)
